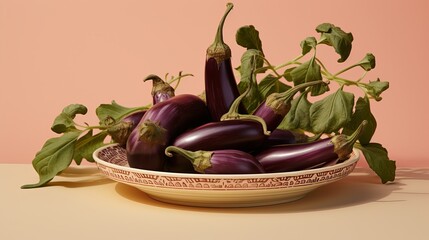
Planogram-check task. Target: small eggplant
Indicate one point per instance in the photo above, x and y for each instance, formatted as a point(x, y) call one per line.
point(219, 161)
point(281, 136)
point(159, 126)
point(220, 85)
point(121, 130)
point(274, 109)
point(161, 90)
point(284, 158)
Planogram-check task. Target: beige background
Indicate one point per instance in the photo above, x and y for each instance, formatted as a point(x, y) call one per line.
point(53, 53)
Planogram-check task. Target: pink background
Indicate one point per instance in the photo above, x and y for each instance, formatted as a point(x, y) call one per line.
point(54, 53)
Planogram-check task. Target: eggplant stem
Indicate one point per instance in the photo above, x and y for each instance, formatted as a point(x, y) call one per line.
point(219, 33)
point(199, 159)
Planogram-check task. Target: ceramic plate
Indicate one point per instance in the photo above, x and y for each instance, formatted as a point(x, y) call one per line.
point(220, 190)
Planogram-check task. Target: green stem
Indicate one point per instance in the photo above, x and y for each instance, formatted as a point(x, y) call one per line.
point(219, 33)
point(293, 61)
point(345, 69)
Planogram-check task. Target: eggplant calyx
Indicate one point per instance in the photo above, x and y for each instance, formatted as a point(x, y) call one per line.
point(218, 49)
point(120, 132)
point(159, 85)
point(233, 114)
point(199, 159)
point(343, 144)
point(281, 102)
point(152, 132)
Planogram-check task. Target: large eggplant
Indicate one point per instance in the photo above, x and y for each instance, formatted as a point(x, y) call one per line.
point(219, 161)
point(294, 157)
point(220, 85)
point(159, 126)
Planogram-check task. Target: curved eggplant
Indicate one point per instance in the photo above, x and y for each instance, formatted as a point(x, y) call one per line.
point(219, 161)
point(283, 158)
point(159, 126)
point(161, 90)
point(220, 85)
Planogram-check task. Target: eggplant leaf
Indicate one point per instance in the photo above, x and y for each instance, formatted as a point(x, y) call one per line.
point(271, 84)
point(108, 113)
point(375, 88)
point(306, 72)
point(248, 37)
point(362, 112)
point(308, 44)
point(298, 116)
point(87, 144)
point(378, 160)
point(332, 112)
point(251, 60)
point(64, 121)
point(55, 156)
point(368, 62)
point(337, 38)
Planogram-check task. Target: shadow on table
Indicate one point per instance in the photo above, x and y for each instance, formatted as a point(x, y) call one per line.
point(362, 187)
point(77, 177)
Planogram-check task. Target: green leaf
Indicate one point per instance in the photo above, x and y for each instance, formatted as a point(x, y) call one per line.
point(308, 44)
point(362, 112)
point(287, 74)
point(375, 88)
point(298, 116)
point(251, 60)
point(114, 112)
point(55, 156)
point(337, 38)
point(378, 160)
point(332, 113)
point(87, 144)
point(248, 37)
point(306, 72)
point(271, 84)
point(368, 62)
point(64, 121)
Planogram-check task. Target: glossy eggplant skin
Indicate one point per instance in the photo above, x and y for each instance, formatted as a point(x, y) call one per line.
point(229, 161)
point(240, 134)
point(280, 137)
point(159, 126)
point(271, 117)
point(220, 87)
point(285, 158)
point(233, 162)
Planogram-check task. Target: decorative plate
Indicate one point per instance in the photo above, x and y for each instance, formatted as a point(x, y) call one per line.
point(219, 190)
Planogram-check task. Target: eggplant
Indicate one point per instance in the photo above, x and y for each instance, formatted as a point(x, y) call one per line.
point(161, 90)
point(159, 126)
point(120, 131)
point(219, 161)
point(284, 158)
point(282, 136)
point(220, 84)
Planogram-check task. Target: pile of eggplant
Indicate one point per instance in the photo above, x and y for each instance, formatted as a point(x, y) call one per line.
point(215, 135)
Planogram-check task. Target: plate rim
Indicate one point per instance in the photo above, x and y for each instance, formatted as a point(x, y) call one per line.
point(354, 157)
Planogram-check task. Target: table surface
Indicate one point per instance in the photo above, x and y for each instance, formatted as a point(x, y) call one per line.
point(83, 204)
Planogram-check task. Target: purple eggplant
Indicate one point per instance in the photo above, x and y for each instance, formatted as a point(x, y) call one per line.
point(277, 105)
point(219, 161)
point(282, 136)
point(121, 130)
point(284, 158)
point(159, 126)
point(220, 85)
point(244, 135)
point(161, 90)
